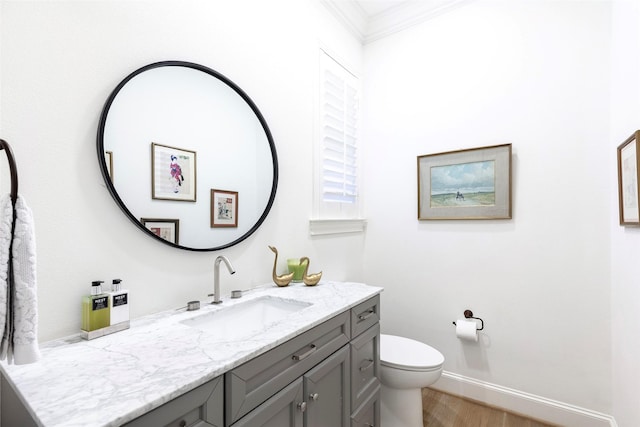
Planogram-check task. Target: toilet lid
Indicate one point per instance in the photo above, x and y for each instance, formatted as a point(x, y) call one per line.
point(408, 354)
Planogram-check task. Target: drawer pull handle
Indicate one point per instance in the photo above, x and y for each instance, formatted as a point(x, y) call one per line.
point(366, 315)
point(314, 396)
point(183, 423)
point(367, 365)
point(299, 357)
point(302, 406)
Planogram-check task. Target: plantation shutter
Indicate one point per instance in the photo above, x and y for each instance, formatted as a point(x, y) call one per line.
point(339, 135)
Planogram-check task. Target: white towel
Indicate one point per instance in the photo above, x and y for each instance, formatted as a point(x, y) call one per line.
point(6, 220)
point(20, 340)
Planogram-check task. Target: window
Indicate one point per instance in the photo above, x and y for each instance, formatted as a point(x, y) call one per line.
point(337, 198)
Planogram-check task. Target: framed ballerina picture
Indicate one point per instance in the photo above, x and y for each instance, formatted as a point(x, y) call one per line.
point(173, 173)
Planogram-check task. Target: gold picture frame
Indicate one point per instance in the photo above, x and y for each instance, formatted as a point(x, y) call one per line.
point(164, 228)
point(472, 183)
point(628, 179)
point(173, 173)
point(224, 208)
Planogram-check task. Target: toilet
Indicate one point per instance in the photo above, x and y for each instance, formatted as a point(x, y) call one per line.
point(406, 366)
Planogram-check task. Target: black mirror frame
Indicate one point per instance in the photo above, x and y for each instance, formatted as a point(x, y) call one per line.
point(243, 95)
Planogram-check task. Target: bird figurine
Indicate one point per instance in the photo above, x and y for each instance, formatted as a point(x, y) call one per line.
point(284, 279)
point(309, 279)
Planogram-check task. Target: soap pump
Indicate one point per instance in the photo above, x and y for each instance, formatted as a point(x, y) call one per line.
point(118, 302)
point(95, 308)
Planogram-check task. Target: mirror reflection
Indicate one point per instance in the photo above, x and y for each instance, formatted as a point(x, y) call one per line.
point(187, 156)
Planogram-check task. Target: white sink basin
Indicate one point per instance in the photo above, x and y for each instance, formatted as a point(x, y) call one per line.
point(245, 319)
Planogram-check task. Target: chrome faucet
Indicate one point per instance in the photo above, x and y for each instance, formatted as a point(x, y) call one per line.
point(216, 277)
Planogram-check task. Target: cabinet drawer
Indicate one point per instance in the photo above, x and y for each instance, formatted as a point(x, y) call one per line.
point(368, 414)
point(201, 406)
point(365, 365)
point(365, 315)
point(252, 383)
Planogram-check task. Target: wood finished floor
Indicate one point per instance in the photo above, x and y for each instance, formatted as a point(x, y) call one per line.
point(444, 410)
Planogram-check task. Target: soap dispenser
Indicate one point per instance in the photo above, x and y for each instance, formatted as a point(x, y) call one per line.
point(118, 302)
point(95, 308)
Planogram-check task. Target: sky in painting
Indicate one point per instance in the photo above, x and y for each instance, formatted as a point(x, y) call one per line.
point(464, 177)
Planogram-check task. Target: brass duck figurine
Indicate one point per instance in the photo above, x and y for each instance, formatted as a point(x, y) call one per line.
point(309, 279)
point(284, 279)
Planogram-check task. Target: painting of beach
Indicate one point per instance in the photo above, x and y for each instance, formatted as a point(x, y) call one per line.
point(463, 184)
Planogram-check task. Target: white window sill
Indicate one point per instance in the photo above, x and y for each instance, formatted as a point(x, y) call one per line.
point(320, 227)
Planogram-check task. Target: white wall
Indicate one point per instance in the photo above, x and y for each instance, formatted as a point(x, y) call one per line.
point(60, 60)
point(625, 296)
point(534, 74)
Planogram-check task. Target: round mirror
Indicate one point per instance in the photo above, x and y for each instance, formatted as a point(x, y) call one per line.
point(187, 156)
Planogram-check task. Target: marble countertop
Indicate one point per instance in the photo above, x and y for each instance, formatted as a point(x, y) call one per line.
point(113, 379)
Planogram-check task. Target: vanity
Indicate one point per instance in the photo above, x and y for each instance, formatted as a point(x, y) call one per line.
point(305, 356)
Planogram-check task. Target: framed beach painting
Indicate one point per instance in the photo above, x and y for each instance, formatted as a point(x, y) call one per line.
point(472, 183)
point(224, 208)
point(167, 229)
point(173, 173)
point(628, 177)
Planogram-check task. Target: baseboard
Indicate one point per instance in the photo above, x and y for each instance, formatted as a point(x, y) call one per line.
point(519, 402)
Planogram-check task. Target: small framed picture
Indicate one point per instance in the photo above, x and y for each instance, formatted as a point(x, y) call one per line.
point(108, 159)
point(224, 208)
point(173, 173)
point(628, 177)
point(473, 183)
point(167, 229)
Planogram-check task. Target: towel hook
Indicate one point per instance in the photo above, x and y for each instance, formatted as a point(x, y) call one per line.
point(4, 145)
point(468, 314)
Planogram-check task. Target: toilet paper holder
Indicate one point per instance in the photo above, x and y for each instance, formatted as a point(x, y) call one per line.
point(468, 314)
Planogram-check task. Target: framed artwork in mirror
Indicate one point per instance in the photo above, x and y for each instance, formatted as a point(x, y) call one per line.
point(167, 229)
point(224, 208)
point(628, 178)
point(108, 160)
point(472, 183)
point(173, 173)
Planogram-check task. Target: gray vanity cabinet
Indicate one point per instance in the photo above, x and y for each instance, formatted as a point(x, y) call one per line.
point(252, 383)
point(338, 363)
point(200, 407)
point(315, 400)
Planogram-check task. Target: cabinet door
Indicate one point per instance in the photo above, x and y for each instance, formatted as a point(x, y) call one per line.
point(326, 390)
point(284, 409)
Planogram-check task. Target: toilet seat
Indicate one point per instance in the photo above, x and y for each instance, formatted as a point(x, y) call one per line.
point(408, 355)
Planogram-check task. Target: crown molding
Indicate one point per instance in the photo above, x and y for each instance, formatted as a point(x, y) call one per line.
point(349, 14)
point(397, 18)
